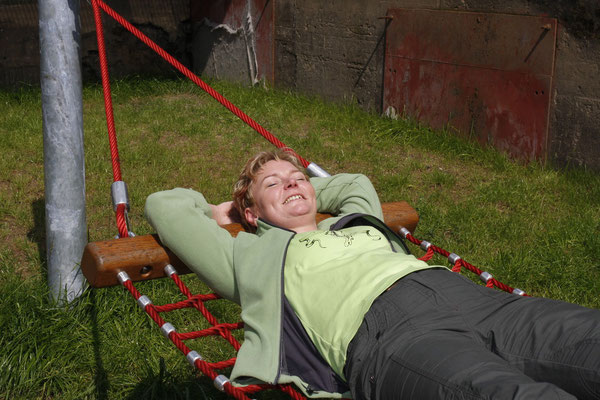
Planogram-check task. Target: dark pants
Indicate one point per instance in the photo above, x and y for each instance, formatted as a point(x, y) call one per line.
point(437, 335)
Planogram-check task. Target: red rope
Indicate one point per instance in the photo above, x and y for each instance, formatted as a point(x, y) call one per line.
point(225, 329)
point(199, 305)
point(221, 329)
point(121, 211)
point(458, 264)
point(194, 78)
point(110, 121)
point(122, 221)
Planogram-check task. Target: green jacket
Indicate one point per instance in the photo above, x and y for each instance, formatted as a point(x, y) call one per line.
point(249, 269)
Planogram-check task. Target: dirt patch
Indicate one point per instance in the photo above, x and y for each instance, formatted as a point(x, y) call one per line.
point(190, 99)
point(173, 140)
point(14, 238)
point(502, 207)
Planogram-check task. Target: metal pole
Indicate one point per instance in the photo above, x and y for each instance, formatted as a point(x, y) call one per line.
point(64, 174)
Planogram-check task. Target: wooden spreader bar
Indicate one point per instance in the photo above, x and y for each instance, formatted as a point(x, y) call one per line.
point(144, 257)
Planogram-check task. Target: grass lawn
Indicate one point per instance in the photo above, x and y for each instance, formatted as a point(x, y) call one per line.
point(532, 227)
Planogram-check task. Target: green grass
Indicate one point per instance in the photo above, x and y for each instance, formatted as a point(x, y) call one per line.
point(531, 226)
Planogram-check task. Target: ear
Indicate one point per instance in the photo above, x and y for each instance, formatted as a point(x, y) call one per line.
point(251, 216)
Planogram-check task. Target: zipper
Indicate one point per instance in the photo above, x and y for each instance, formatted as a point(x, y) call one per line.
point(281, 282)
point(281, 301)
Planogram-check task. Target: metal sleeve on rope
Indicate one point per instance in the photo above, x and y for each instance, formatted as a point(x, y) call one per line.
point(220, 382)
point(485, 276)
point(119, 194)
point(130, 234)
point(457, 263)
point(192, 357)
point(453, 258)
point(144, 301)
point(404, 232)
point(170, 270)
point(123, 277)
point(425, 245)
point(314, 170)
point(166, 329)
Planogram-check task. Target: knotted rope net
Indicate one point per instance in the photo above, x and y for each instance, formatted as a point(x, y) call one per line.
point(224, 330)
point(121, 206)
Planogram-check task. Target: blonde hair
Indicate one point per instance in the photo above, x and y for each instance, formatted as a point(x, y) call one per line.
point(242, 190)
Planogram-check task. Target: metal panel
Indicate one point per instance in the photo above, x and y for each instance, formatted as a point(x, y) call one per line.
point(488, 76)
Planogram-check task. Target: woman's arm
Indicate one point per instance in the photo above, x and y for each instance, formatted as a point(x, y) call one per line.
point(225, 213)
point(184, 222)
point(347, 193)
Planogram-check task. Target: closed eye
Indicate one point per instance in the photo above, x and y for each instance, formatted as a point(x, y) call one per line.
point(271, 182)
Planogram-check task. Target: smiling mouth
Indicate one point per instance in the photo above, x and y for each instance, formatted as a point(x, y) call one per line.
point(292, 198)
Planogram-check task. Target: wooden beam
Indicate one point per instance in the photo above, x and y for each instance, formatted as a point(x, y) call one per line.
point(144, 257)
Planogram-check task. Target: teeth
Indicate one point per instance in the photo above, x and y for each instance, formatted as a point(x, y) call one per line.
point(291, 198)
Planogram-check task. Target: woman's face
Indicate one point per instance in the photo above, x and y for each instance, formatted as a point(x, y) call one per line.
point(284, 197)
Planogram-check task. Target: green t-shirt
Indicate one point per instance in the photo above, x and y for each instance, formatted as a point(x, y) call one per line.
point(333, 277)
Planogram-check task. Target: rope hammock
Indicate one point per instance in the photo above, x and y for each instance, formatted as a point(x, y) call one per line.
point(90, 263)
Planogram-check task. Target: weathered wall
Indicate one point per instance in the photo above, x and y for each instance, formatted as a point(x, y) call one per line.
point(162, 21)
point(233, 39)
point(574, 136)
point(336, 49)
point(226, 39)
point(575, 122)
point(19, 44)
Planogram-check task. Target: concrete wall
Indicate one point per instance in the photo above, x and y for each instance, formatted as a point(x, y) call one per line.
point(163, 21)
point(19, 44)
point(233, 39)
point(336, 49)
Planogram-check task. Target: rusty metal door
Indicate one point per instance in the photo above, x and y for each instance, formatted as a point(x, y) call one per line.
point(488, 76)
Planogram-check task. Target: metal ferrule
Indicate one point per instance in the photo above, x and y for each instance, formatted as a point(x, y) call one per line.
point(518, 292)
point(425, 245)
point(123, 277)
point(404, 232)
point(453, 258)
point(485, 276)
point(166, 329)
point(144, 301)
point(130, 234)
point(220, 382)
point(314, 170)
point(192, 357)
point(119, 194)
point(169, 270)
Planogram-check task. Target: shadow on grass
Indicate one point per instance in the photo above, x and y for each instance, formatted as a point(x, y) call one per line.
point(100, 375)
point(163, 385)
point(37, 234)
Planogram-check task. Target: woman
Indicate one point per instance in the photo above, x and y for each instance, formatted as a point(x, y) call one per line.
point(342, 308)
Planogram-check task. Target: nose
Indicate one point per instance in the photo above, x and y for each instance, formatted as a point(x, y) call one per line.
point(291, 183)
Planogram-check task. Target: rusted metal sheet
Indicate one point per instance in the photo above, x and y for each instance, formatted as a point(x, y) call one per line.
point(254, 18)
point(488, 76)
